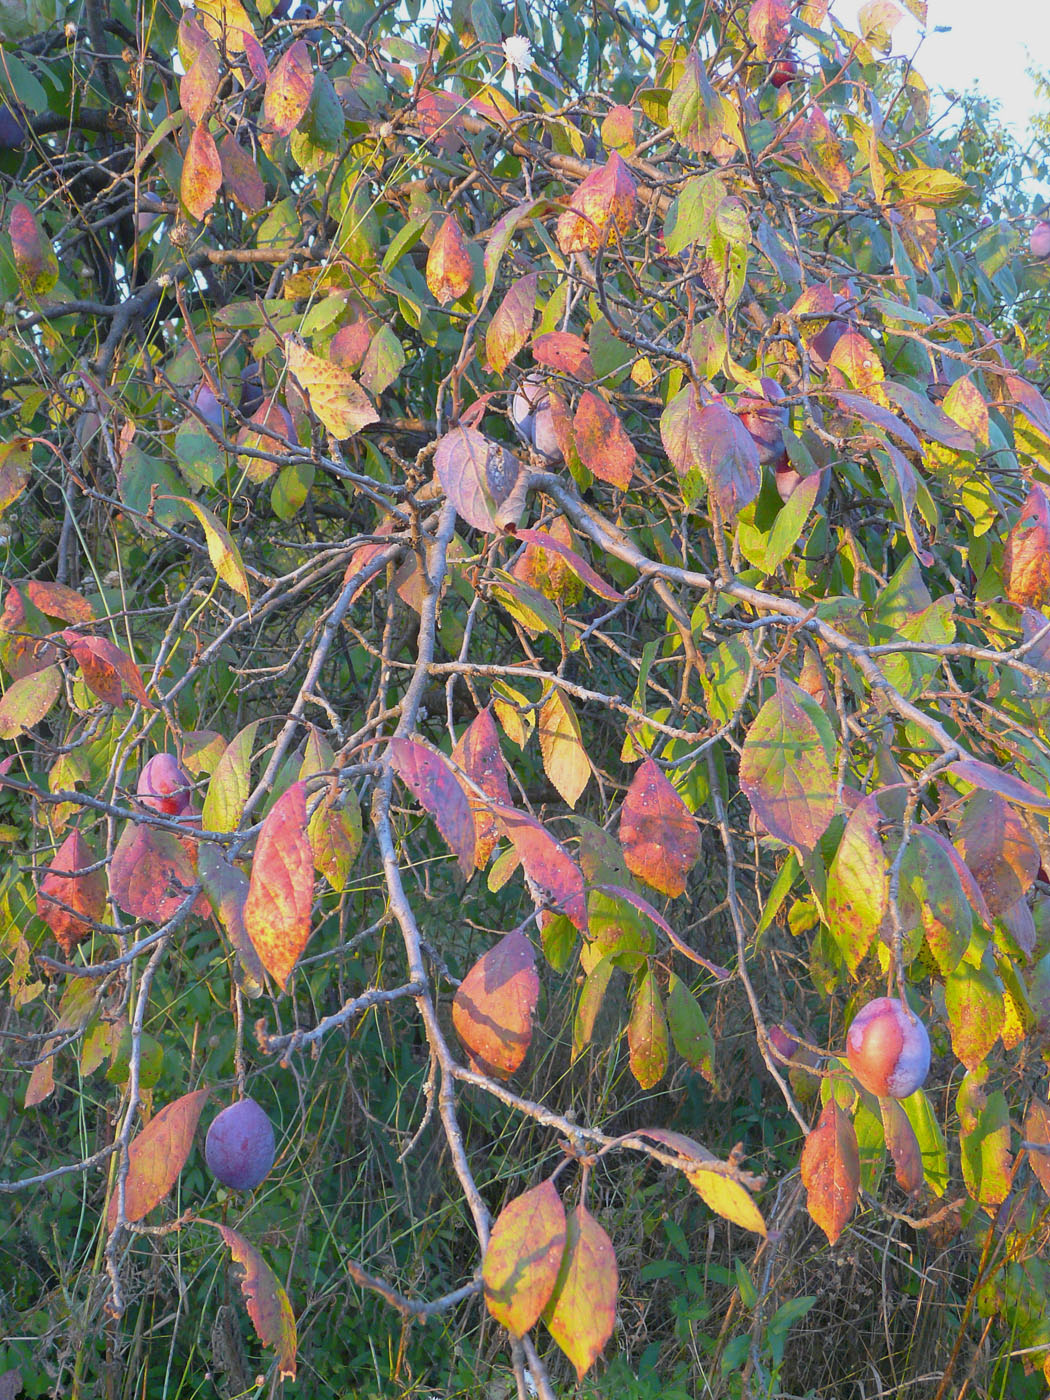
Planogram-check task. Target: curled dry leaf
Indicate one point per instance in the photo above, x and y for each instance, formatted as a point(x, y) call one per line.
point(267, 1302)
point(69, 880)
point(281, 887)
point(494, 1004)
point(523, 1257)
point(658, 833)
point(157, 1155)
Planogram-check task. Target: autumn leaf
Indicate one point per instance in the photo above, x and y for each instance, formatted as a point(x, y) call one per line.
point(565, 760)
point(449, 267)
point(152, 872)
point(481, 478)
point(427, 775)
point(240, 175)
point(288, 91)
point(523, 1257)
point(494, 1004)
point(222, 551)
point(511, 323)
point(69, 881)
point(157, 1155)
point(602, 441)
point(200, 83)
point(903, 1146)
point(478, 754)
point(268, 1305)
point(228, 790)
point(581, 1312)
point(647, 1036)
point(767, 24)
point(28, 700)
point(107, 671)
point(858, 888)
point(831, 1170)
point(551, 871)
point(658, 833)
point(280, 889)
point(333, 393)
point(34, 257)
point(727, 1198)
point(600, 208)
point(201, 173)
point(786, 768)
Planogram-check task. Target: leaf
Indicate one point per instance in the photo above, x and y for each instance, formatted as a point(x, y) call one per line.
point(965, 404)
point(478, 754)
point(69, 881)
point(712, 438)
point(152, 872)
point(222, 551)
point(564, 352)
point(695, 111)
point(540, 539)
point(565, 760)
point(926, 185)
point(984, 1140)
point(647, 1034)
point(107, 671)
point(281, 888)
point(384, 360)
point(201, 177)
point(600, 208)
point(157, 1155)
point(858, 883)
point(997, 847)
point(494, 1005)
point(831, 1170)
point(200, 82)
point(786, 771)
point(931, 420)
point(449, 266)
point(929, 878)
point(334, 830)
point(690, 1033)
point(581, 1312)
point(903, 1146)
point(333, 393)
point(35, 260)
point(1026, 561)
point(226, 887)
point(481, 479)
point(592, 995)
point(228, 789)
point(427, 775)
point(552, 873)
point(510, 325)
point(240, 175)
point(658, 833)
point(28, 700)
point(1037, 1130)
point(930, 1138)
point(288, 91)
point(768, 24)
point(728, 1199)
point(655, 917)
point(56, 600)
point(973, 999)
point(523, 1257)
point(16, 465)
point(268, 1305)
point(602, 442)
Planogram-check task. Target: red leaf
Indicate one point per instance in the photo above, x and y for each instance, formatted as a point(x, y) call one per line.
point(151, 873)
point(281, 887)
point(449, 266)
point(478, 754)
point(426, 773)
point(157, 1155)
point(241, 177)
point(288, 90)
point(107, 671)
point(268, 1305)
point(549, 868)
point(712, 438)
point(602, 442)
point(201, 173)
point(601, 207)
point(831, 1170)
point(542, 540)
point(523, 1257)
point(903, 1145)
point(481, 479)
point(226, 886)
point(564, 352)
point(494, 1004)
point(581, 1313)
point(85, 892)
point(35, 260)
point(997, 847)
point(658, 833)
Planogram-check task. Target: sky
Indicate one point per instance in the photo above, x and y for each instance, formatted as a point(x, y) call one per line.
point(983, 44)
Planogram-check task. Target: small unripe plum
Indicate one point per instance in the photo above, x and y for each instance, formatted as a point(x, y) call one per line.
point(1039, 239)
point(239, 1148)
point(783, 1040)
point(164, 786)
point(207, 405)
point(783, 72)
point(888, 1050)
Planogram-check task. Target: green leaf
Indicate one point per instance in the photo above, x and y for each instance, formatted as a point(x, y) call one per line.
point(785, 771)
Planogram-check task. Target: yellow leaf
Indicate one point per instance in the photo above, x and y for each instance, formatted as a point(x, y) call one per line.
point(227, 20)
point(224, 555)
point(729, 1199)
point(565, 760)
point(334, 394)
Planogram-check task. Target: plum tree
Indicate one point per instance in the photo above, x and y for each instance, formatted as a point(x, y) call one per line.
point(239, 1148)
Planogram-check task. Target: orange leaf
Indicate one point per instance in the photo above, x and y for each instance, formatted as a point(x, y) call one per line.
point(551, 871)
point(288, 90)
point(582, 1311)
point(107, 671)
point(494, 1005)
point(1026, 561)
point(281, 888)
point(268, 1305)
point(831, 1170)
point(201, 173)
point(523, 1257)
point(449, 267)
point(601, 207)
point(602, 442)
point(658, 833)
point(157, 1155)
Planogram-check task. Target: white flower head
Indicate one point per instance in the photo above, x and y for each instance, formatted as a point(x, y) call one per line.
point(518, 52)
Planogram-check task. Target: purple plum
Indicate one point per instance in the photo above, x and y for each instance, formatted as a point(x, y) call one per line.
point(239, 1148)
